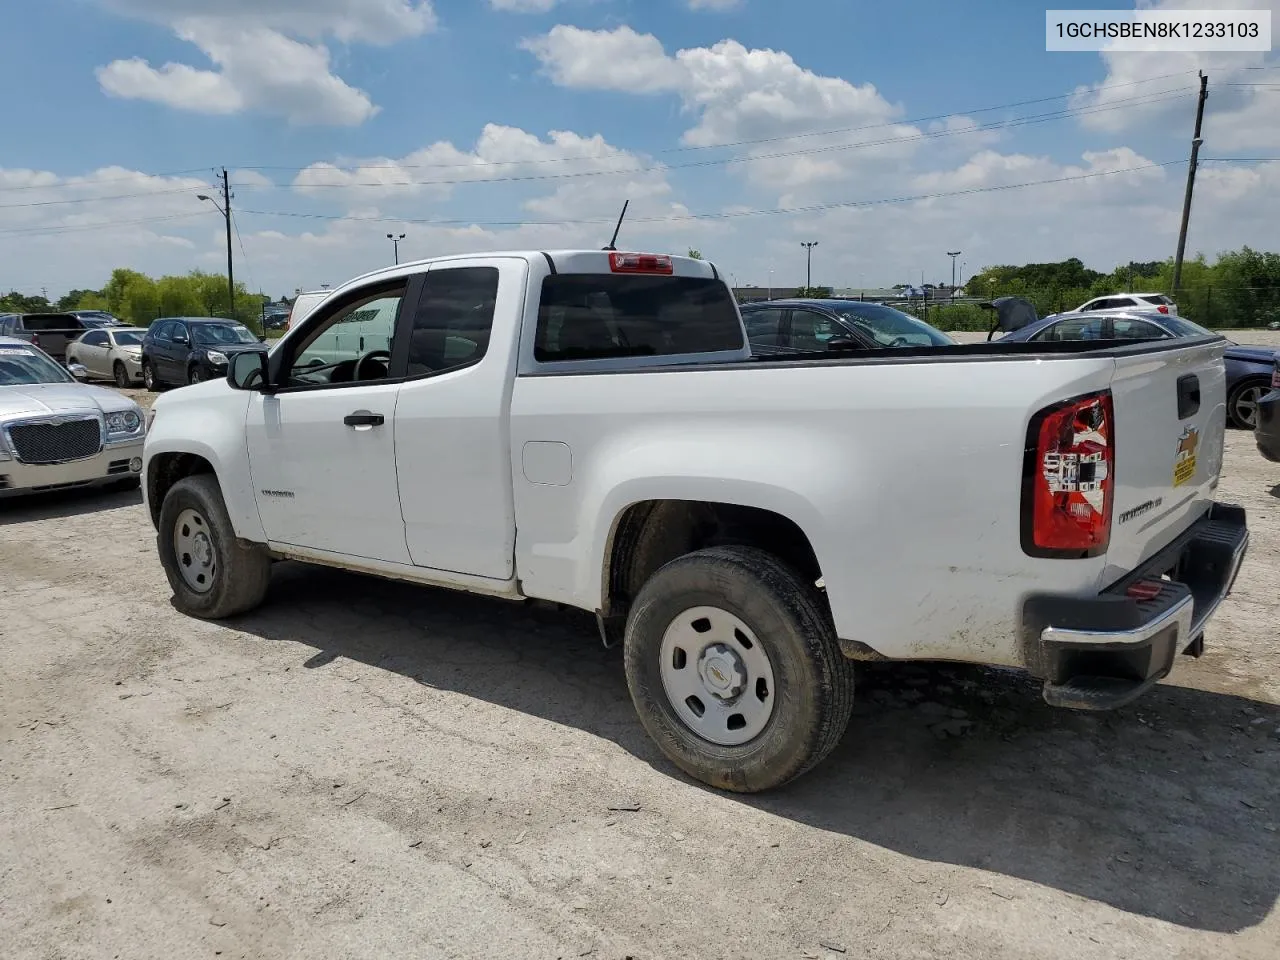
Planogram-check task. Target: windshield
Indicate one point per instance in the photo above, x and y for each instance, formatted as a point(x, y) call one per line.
point(890, 327)
point(1181, 327)
point(128, 338)
point(222, 333)
point(19, 365)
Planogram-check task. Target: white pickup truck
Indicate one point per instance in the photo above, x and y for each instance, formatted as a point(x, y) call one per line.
point(590, 428)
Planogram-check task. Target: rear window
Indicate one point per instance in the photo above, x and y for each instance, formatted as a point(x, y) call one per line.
point(593, 316)
point(51, 321)
point(1158, 300)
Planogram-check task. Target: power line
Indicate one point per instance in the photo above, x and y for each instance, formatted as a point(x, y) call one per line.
point(110, 224)
point(86, 183)
point(779, 211)
point(118, 196)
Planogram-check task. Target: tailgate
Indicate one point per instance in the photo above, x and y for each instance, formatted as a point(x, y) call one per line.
point(1170, 423)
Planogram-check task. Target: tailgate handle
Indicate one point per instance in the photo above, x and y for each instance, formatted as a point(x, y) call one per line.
point(1188, 396)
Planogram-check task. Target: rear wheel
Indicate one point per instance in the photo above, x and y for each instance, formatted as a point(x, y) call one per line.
point(121, 374)
point(213, 574)
point(734, 667)
point(1242, 404)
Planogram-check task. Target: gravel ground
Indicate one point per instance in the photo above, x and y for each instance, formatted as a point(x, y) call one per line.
point(370, 769)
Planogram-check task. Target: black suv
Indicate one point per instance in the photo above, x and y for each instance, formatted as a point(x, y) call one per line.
point(178, 350)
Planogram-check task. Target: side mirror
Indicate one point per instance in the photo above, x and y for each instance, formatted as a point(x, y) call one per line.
point(78, 370)
point(843, 343)
point(249, 371)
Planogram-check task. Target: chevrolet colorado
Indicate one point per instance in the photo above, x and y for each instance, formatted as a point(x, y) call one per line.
point(590, 428)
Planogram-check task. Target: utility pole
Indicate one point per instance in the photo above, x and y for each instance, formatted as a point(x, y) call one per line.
point(1191, 184)
point(953, 271)
point(396, 240)
point(808, 276)
point(225, 210)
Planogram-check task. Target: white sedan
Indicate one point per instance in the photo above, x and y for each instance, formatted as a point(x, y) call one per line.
point(110, 353)
point(57, 434)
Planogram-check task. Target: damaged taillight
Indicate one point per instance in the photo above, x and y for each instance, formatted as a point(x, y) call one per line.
point(1069, 481)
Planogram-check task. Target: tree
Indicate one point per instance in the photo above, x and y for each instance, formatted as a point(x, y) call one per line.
point(695, 254)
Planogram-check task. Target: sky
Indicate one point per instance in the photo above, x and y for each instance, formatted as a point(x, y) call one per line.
point(888, 133)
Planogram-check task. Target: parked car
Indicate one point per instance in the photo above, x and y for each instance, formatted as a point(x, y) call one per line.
point(110, 353)
point(804, 326)
point(98, 318)
point(51, 332)
point(304, 304)
point(178, 350)
point(57, 433)
point(591, 428)
point(1130, 301)
point(1248, 368)
point(1266, 428)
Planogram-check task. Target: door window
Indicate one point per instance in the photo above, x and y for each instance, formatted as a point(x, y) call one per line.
point(811, 330)
point(764, 326)
point(94, 339)
point(1122, 328)
point(350, 344)
point(454, 319)
point(1084, 328)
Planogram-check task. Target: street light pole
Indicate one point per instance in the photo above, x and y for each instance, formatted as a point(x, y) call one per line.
point(808, 275)
point(396, 240)
point(953, 271)
point(225, 210)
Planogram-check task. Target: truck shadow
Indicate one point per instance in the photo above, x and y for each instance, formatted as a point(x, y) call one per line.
point(1166, 809)
point(61, 504)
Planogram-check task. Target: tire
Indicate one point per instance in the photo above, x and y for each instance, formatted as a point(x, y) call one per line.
point(194, 374)
point(149, 378)
point(1242, 402)
point(238, 576)
point(812, 681)
point(121, 375)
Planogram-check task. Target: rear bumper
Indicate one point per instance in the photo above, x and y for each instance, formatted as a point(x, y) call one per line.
point(1266, 430)
point(1099, 653)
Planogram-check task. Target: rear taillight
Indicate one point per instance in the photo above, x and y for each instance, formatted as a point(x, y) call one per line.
point(35, 339)
point(1069, 479)
point(1163, 308)
point(641, 263)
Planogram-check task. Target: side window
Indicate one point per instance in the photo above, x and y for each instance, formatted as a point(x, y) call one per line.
point(161, 331)
point(352, 342)
point(454, 318)
point(179, 332)
point(1085, 328)
point(95, 339)
point(1126, 329)
point(811, 330)
point(764, 326)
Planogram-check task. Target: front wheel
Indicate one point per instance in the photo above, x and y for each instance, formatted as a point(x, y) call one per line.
point(213, 575)
point(1242, 404)
point(195, 374)
point(149, 378)
point(735, 670)
point(121, 375)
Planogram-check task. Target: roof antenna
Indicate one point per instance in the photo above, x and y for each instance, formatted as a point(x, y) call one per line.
point(613, 244)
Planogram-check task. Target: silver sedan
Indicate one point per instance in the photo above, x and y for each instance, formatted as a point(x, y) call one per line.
point(110, 353)
point(56, 433)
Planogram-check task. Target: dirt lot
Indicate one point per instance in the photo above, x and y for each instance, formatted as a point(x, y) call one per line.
point(366, 769)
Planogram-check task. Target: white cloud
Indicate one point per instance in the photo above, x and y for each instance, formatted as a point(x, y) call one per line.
point(524, 6)
point(262, 65)
point(714, 4)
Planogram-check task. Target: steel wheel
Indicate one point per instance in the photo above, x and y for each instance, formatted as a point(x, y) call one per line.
point(193, 547)
point(194, 375)
point(121, 374)
point(717, 676)
point(1244, 405)
point(148, 376)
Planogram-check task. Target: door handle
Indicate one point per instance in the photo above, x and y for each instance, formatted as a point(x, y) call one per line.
point(363, 419)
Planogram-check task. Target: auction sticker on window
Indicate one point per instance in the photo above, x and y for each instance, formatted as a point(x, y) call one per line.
point(15, 352)
point(1158, 31)
point(1184, 463)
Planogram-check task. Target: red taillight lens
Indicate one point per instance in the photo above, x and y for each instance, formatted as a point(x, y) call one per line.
point(35, 339)
point(1163, 308)
point(640, 263)
point(1071, 480)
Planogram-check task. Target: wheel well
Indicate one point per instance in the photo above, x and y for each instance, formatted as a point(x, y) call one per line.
point(651, 534)
point(165, 470)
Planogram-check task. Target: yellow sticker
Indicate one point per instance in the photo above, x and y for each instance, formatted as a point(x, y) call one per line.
point(1184, 462)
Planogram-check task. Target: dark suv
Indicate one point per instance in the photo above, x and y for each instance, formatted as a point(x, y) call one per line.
point(178, 350)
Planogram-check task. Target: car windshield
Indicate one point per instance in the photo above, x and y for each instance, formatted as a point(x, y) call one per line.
point(890, 327)
point(1181, 327)
point(128, 338)
point(19, 365)
point(219, 333)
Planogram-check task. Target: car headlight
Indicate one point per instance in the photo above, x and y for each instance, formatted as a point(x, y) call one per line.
point(217, 357)
point(123, 422)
